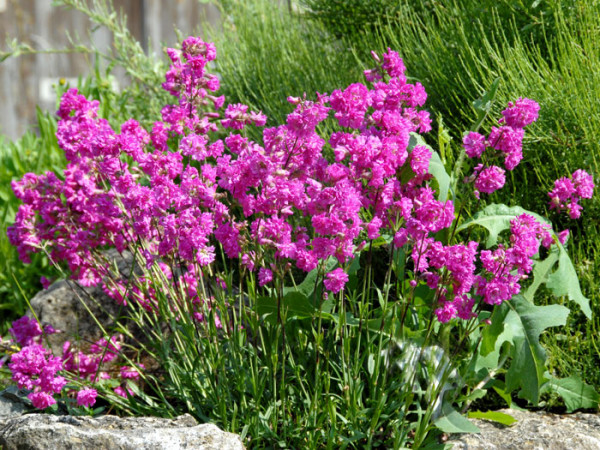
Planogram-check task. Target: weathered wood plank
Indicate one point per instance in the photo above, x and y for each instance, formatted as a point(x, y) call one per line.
point(24, 80)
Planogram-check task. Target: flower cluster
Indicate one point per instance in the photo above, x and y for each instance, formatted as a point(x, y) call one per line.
point(296, 204)
point(26, 331)
point(505, 267)
point(35, 369)
point(176, 193)
point(568, 191)
point(506, 140)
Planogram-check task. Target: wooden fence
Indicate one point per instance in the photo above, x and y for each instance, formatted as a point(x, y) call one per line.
point(27, 81)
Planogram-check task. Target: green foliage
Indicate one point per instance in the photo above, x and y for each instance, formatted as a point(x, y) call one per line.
point(454, 422)
point(294, 305)
point(494, 416)
point(575, 393)
point(455, 52)
point(349, 17)
point(523, 326)
point(520, 322)
point(266, 54)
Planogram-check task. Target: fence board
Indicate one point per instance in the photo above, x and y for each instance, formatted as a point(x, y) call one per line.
point(24, 81)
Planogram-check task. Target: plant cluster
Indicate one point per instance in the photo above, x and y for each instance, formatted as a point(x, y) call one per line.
point(202, 207)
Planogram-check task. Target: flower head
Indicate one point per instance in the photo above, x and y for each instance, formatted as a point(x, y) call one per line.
point(336, 280)
point(86, 397)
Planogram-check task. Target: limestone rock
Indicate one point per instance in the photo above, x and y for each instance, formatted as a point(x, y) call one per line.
point(10, 406)
point(534, 431)
point(62, 306)
point(46, 432)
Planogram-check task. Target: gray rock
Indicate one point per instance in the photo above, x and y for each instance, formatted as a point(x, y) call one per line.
point(65, 304)
point(46, 432)
point(10, 406)
point(534, 431)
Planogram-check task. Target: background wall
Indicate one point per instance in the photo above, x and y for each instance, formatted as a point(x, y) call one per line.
point(27, 81)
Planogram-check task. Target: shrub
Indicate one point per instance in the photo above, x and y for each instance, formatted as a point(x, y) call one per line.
point(216, 221)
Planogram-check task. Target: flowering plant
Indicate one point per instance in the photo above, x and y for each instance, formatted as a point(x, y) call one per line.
point(222, 226)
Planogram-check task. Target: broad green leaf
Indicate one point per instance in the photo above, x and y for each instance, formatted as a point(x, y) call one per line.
point(436, 166)
point(437, 169)
point(294, 305)
point(496, 218)
point(370, 364)
point(353, 273)
point(354, 265)
point(541, 270)
point(523, 326)
point(453, 422)
point(491, 332)
point(575, 393)
point(564, 281)
point(495, 416)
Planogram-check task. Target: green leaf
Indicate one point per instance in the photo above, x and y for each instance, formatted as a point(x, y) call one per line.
point(523, 326)
point(453, 422)
point(496, 218)
point(575, 393)
point(495, 416)
point(294, 305)
point(371, 364)
point(307, 287)
point(564, 281)
point(500, 389)
point(436, 166)
point(484, 105)
point(475, 395)
point(491, 332)
point(541, 270)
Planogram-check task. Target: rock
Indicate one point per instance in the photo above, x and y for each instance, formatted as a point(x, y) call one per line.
point(534, 431)
point(10, 406)
point(41, 432)
point(65, 304)
point(62, 306)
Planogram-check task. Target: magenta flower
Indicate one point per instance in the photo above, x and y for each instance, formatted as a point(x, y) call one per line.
point(490, 179)
point(393, 65)
point(336, 280)
point(34, 368)
point(26, 330)
point(509, 141)
point(419, 160)
point(131, 372)
point(86, 397)
point(583, 183)
point(124, 392)
point(563, 236)
point(474, 144)
point(108, 349)
point(568, 191)
point(41, 400)
point(446, 313)
point(265, 276)
point(521, 113)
